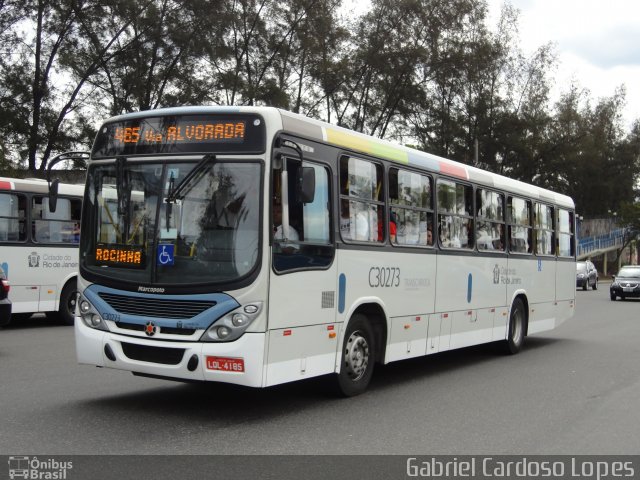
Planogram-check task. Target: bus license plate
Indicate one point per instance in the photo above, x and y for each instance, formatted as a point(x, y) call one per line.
point(627, 289)
point(225, 364)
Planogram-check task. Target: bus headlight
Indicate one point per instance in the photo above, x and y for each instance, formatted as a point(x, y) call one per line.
point(84, 307)
point(90, 315)
point(232, 325)
point(239, 320)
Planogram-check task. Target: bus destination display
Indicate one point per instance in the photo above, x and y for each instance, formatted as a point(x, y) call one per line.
point(120, 256)
point(189, 132)
point(181, 134)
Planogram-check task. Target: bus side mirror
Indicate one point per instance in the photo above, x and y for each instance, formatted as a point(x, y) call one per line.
point(306, 184)
point(53, 195)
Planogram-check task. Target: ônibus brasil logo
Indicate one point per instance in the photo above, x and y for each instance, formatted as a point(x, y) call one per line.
point(34, 468)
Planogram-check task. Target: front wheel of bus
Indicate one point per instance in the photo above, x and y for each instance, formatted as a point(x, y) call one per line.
point(517, 323)
point(358, 357)
point(68, 301)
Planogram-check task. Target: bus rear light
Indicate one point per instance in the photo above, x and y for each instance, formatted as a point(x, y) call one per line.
point(6, 286)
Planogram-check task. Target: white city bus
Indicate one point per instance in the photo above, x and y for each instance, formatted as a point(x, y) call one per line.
point(255, 246)
point(39, 248)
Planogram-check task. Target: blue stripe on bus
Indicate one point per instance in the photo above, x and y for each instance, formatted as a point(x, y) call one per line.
point(223, 304)
point(469, 287)
point(342, 290)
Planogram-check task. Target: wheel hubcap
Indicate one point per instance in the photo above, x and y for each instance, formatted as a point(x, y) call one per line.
point(356, 356)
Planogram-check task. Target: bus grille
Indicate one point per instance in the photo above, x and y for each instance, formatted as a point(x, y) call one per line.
point(144, 353)
point(155, 307)
point(168, 330)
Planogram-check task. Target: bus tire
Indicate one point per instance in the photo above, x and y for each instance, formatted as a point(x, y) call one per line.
point(517, 325)
point(357, 357)
point(68, 299)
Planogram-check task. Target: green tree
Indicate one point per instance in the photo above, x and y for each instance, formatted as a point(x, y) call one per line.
point(156, 60)
point(39, 93)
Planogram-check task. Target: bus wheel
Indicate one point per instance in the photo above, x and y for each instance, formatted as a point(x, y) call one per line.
point(517, 319)
point(68, 301)
point(358, 357)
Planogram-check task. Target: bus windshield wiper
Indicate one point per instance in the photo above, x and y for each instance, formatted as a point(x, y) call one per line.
point(175, 193)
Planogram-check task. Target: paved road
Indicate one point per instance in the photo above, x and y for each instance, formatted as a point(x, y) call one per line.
point(574, 390)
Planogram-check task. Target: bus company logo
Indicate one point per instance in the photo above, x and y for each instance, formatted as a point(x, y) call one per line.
point(150, 289)
point(496, 274)
point(34, 259)
point(150, 329)
point(33, 468)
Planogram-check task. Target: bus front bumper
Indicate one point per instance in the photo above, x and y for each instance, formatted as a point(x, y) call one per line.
point(218, 362)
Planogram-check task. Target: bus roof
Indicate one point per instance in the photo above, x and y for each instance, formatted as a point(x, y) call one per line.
point(36, 185)
point(349, 139)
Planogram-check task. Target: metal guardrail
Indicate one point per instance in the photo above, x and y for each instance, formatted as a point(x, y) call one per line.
point(600, 244)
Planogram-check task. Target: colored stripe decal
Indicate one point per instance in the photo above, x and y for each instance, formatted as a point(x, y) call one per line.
point(342, 291)
point(365, 145)
point(4, 185)
point(453, 170)
point(389, 153)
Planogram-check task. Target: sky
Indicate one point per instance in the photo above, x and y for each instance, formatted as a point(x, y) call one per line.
point(597, 43)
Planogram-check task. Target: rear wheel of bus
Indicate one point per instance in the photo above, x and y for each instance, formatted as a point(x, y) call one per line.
point(517, 327)
point(358, 357)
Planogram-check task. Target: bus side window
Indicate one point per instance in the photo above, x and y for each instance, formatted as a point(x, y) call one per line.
point(308, 241)
point(361, 200)
point(490, 220)
point(566, 244)
point(520, 226)
point(12, 217)
point(411, 201)
point(61, 226)
point(455, 215)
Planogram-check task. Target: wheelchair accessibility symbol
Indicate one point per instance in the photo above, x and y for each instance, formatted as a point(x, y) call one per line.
point(165, 254)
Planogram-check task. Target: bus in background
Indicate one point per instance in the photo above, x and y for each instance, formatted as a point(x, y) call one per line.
point(39, 248)
point(256, 246)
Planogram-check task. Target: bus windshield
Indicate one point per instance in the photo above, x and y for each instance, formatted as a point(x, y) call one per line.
point(209, 234)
